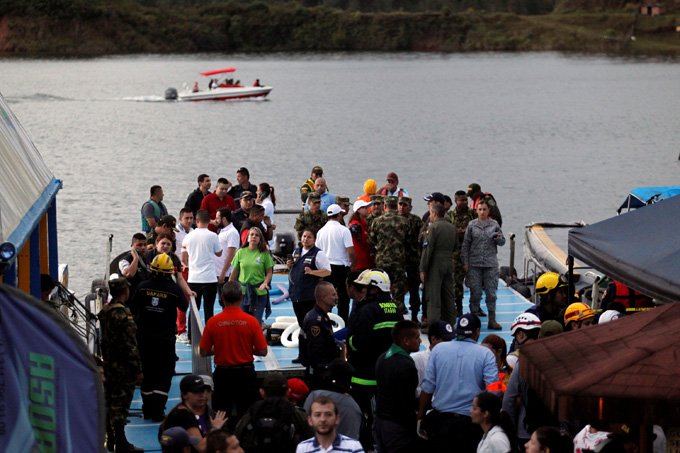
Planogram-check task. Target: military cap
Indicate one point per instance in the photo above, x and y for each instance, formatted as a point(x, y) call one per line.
point(391, 200)
point(406, 200)
point(376, 198)
point(313, 196)
point(473, 188)
point(341, 199)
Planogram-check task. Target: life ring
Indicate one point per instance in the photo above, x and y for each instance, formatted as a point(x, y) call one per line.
point(286, 319)
point(338, 322)
point(292, 331)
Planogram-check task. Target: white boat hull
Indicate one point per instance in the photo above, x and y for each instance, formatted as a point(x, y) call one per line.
point(223, 94)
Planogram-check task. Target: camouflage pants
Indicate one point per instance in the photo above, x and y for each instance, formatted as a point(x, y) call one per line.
point(118, 392)
point(486, 279)
point(398, 281)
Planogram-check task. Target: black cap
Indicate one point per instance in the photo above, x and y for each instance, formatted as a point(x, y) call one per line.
point(467, 324)
point(275, 380)
point(442, 330)
point(436, 196)
point(193, 383)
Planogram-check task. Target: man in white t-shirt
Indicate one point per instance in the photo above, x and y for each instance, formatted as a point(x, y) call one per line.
point(335, 240)
point(198, 251)
point(437, 332)
point(229, 243)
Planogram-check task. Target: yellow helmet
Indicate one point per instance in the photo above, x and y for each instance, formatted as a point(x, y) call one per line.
point(163, 264)
point(549, 281)
point(578, 311)
point(374, 277)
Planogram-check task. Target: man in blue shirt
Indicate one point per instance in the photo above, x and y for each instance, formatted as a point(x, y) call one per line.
point(457, 371)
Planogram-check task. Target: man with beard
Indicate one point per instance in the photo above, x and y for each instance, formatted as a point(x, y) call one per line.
point(323, 418)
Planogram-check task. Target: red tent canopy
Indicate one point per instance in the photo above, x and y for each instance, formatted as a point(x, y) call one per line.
point(622, 371)
point(217, 71)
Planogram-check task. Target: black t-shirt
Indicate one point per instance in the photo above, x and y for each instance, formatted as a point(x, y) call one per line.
point(178, 416)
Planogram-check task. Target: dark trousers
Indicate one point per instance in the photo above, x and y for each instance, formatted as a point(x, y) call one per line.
point(207, 291)
point(235, 391)
point(413, 283)
point(338, 278)
point(301, 308)
point(446, 430)
point(363, 395)
point(393, 437)
point(158, 365)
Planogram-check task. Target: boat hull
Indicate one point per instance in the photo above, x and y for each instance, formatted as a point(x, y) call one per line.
point(225, 94)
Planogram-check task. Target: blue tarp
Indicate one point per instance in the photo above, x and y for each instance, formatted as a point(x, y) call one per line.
point(642, 196)
point(640, 249)
point(51, 398)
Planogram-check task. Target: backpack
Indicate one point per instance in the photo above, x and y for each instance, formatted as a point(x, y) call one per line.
point(270, 428)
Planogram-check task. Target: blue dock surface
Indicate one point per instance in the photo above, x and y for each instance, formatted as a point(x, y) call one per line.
point(144, 433)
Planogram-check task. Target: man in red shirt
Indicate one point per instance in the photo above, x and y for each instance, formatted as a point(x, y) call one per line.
point(216, 200)
point(233, 337)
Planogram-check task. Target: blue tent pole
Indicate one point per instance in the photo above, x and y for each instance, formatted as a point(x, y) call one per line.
point(53, 257)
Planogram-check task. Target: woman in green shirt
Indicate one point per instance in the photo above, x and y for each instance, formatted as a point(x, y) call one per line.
point(253, 268)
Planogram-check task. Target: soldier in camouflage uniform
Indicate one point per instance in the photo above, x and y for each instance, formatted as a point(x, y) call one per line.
point(313, 218)
point(388, 235)
point(122, 363)
point(412, 254)
point(460, 216)
point(377, 204)
point(476, 195)
point(343, 202)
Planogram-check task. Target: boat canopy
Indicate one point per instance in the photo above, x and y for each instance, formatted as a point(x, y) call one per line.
point(642, 196)
point(218, 71)
point(640, 249)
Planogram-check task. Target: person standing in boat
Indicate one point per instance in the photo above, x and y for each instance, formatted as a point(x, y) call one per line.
point(479, 255)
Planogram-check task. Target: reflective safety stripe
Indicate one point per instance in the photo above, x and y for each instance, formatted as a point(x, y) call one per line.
point(356, 380)
point(351, 343)
point(384, 325)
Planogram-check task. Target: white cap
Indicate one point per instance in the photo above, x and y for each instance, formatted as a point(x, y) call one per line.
point(360, 204)
point(608, 316)
point(334, 209)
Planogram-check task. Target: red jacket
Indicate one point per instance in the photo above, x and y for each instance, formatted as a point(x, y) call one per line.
point(212, 203)
point(362, 248)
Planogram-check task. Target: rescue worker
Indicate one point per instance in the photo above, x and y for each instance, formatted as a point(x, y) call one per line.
point(369, 335)
point(308, 186)
point(313, 218)
point(155, 305)
point(552, 290)
point(388, 235)
point(413, 248)
point(459, 216)
point(436, 266)
point(476, 195)
point(122, 363)
point(577, 316)
point(359, 229)
point(317, 344)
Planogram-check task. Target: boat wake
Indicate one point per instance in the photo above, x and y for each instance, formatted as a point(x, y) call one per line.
point(37, 97)
point(144, 99)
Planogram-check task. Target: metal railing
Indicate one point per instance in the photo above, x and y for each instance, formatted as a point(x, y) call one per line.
point(199, 365)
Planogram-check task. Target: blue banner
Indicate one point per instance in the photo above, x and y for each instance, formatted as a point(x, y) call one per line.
point(51, 396)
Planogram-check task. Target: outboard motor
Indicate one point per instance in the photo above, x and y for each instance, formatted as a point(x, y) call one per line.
point(171, 94)
point(284, 244)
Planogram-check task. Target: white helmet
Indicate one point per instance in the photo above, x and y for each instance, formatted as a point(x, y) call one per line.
point(609, 315)
point(525, 321)
point(374, 277)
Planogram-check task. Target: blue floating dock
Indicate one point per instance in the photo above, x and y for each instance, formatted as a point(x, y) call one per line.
point(144, 433)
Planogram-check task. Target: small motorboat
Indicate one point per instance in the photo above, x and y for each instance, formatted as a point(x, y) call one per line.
point(218, 90)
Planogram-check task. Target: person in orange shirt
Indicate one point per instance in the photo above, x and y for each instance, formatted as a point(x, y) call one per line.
point(233, 337)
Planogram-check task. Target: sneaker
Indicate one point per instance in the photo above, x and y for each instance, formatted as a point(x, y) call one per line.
point(183, 338)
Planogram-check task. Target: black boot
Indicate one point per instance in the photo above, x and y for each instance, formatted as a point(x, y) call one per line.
point(122, 444)
point(110, 436)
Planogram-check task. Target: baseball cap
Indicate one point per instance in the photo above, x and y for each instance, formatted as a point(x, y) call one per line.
point(168, 221)
point(317, 170)
point(474, 187)
point(208, 381)
point(334, 209)
point(341, 199)
point(467, 324)
point(116, 281)
point(376, 198)
point(436, 196)
point(177, 437)
point(405, 200)
point(441, 329)
point(297, 389)
point(246, 194)
point(392, 176)
point(360, 204)
point(193, 383)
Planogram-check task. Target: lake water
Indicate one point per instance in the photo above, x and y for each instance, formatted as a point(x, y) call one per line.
point(552, 137)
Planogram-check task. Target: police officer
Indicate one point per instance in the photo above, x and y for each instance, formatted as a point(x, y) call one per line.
point(369, 335)
point(122, 363)
point(388, 234)
point(413, 248)
point(317, 344)
point(312, 218)
point(155, 305)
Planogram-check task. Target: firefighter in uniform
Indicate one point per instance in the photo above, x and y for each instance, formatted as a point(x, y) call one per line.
point(122, 364)
point(155, 306)
point(369, 334)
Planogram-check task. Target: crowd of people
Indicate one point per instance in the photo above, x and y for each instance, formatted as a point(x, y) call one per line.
point(365, 388)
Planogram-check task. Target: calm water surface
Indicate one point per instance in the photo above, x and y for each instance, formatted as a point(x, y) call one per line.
point(553, 137)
